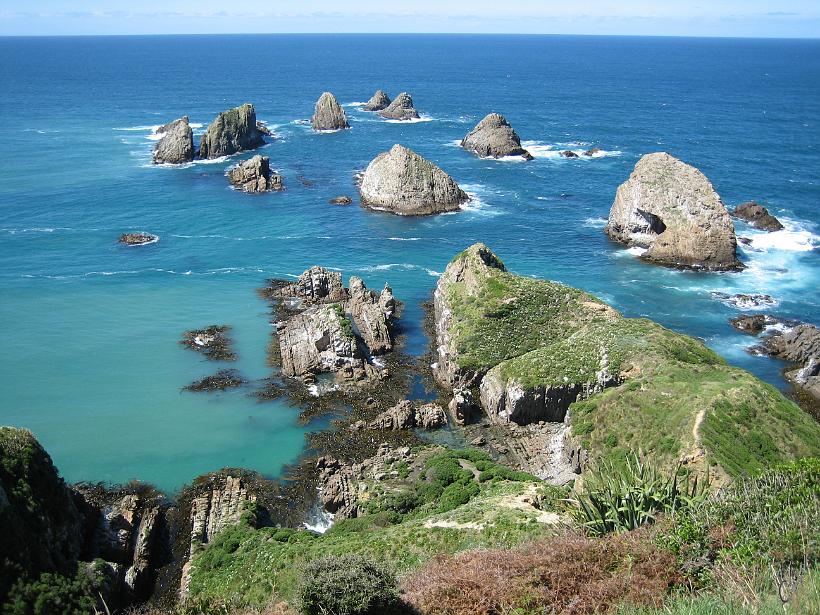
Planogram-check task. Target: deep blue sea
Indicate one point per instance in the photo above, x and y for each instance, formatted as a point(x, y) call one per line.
point(90, 355)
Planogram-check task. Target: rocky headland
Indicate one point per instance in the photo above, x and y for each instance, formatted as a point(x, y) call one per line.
point(177, 146)
point(400, 109)
point(328, 114)
point(255, 175)
point(402, 182)
point(757, 216)
point(377, 102)
point(493, 137)
point(671, 210)
point(234, 130)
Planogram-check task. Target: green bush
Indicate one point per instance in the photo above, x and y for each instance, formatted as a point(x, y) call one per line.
point(347, 585)
point(53, 594)
point(624, 496)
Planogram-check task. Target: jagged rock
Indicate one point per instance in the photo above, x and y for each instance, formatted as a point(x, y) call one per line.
point(462, 406)
point(262, 127)
point(744, 301)
point(137, 239)
point(372, 315)
point(402, 182)
point(254, 175)
point(379, 101)
point(232, 131)
point(341, 200)
point(328, 114)
point(592, 151)
point(337, 490)
point(316, 285)
point(177, 146)
point(751, 324)
point(567, 153)
point(430, 416)
point(401, 108)
point(799, 345)
point(493, 137)
point(671, 209)
point(400, 416)
point(758, 216)
point(321, 340)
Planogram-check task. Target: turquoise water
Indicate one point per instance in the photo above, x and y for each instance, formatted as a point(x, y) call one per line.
point(91, 359)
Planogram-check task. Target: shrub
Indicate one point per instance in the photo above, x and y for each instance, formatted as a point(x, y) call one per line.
point(347, 585)
point(622, 497)
point(52, 594)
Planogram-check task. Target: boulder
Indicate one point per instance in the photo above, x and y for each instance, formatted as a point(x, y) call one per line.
point(400, 109)
point(493, 137)
point(751, 323)
point(671, 209)
point(372, 315)
point(378, 102)
point(758, 216)
point(234, 130)
point(430, 416)
point(177, 146)
point(137, 239)
point(592, 151)
point(400, 416)
point(328, 114)
point(402, 182)
point(341, 200)
point(568, 153)
point(254, 175)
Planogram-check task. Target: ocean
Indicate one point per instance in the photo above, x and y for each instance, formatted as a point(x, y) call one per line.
point(91, 361)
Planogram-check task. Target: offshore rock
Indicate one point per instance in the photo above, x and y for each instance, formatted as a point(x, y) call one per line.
point(758, 216)
point(401, 108)
point(177, 146)
point(234, 130)
point(340, 200)
point(493, 137)
point(328, 114)
point(254, 175)
point(379, 101)
point(751, 323)
point(568, 153)
point(372, 315)
point(137, 239)
point(402, 182)
point(671, 209)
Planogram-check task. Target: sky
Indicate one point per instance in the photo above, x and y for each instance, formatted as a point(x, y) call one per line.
point(752, 18)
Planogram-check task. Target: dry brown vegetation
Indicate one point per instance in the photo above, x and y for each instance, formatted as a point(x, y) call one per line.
point(568, 574)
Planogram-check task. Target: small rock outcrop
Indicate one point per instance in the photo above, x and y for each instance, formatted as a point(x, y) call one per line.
point(378, 102)
point(402, 182)
point(213, 342)
point(328, 114)
point(177, 146)
point(493, 137)
point(341, 200)
point(568, 153)
point(373, 315)
point(751, 323)
point(404, 415)
point(223, 379)
point(316, 285)
point(758, 216)
point(799, 345)
point(254, 175)
point(401, 108)
point(137, 239)
point(592, 151)
point(744, 301)
point(234, 130)
point(671, 209)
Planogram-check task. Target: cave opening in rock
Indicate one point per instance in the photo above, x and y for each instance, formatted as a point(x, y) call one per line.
point(654, 223)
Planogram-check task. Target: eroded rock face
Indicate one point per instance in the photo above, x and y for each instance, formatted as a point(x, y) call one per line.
point(177, 146)
point(317, 285)
point(493, 137)
point(328, 114)
point(751, 324)
point(671, 209)
point(404, 415)
point(379, 101)
point(255, 175)
point(372, 315)
point(402, 182)
point(430, 416)
point(758, 216)
point(401, 108)
point(799, 345)
point(234, 130)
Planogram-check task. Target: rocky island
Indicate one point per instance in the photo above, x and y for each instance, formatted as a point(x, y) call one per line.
point(400, 109)
point(234, 130)
point(255, 175)
point(758, 216)
point(671, 210)
point(378, 102)
point(328, 114)
point(177, 144)
point(137, 239)
point(493, 137)
point(402, 182)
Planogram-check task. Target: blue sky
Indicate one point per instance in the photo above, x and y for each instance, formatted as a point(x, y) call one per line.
point(772, 18)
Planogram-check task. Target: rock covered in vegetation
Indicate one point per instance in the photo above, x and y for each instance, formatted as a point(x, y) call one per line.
point(234, 130)
point(493, 137)
point(177, 146)
point(214, 342)
point(670, 209)
point(377, 102)
point(402, 182)
point(137, 239)
point(758, 216)
point(255, 175)
point(328, 114)
point(223, 379)
point(401, 108)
